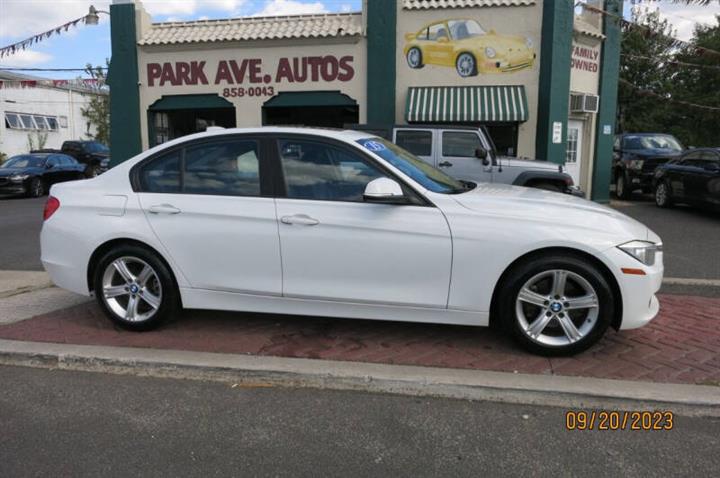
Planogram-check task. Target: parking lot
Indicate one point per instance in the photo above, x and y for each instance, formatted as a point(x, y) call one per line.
point(690, 236)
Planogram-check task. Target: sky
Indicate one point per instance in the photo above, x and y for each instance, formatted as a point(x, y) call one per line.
point(75, 48)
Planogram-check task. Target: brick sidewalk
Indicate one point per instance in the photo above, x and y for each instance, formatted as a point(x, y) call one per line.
point(682, 345)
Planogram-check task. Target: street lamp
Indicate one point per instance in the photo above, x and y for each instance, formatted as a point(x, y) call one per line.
point(92, 18)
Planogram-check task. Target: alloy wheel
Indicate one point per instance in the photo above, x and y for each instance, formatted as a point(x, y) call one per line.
point(466, 65)
point(557, 308)
point(413, 58)
point(661, 194)
point(131, 289)
point(36, 188)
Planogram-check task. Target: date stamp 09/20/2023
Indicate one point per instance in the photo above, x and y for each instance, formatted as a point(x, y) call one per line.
point(619, 420)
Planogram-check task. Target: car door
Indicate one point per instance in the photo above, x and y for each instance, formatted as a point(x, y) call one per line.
point(706, 181)
point(439, 48)
point(693, 177)
point(210, 205)
point(676, 173)
point(418, 141)
point(337, 247)
point(53, 170)
point(457, 156)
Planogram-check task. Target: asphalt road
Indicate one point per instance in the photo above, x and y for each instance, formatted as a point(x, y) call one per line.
point(61, 423)
point(20, 223)
point(692, 248)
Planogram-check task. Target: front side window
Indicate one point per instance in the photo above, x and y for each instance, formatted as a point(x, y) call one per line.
point(460, 144)
point(229, 168)
point(161, 174)
point(319, 171)
point(418, 143)
point(462, 29)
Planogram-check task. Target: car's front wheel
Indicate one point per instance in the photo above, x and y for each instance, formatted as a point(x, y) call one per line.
point(35, 188)
point(556, 304)
point(414, 58)
point(622, 188)
point(135, 289)
point(663, 195)
point(466, 65)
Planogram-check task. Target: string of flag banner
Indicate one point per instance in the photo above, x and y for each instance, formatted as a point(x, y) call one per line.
point(89, 83)
point(22, 45)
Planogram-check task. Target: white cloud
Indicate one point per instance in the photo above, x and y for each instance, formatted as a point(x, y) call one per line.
point(346, 7)
point(684, 17)
point(189, 7)
point(290, 7)
point(24, 18)
point(28, 58)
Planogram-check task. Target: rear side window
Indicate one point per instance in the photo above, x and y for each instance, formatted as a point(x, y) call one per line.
point(161, 174)
point(418, 143)
point(230, 168)
point(460, 144)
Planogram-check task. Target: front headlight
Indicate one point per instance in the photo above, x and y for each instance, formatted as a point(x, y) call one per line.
point(636, 164)
point(490, 52)
point(18, 178)
point(643, 251)
point(529, 43)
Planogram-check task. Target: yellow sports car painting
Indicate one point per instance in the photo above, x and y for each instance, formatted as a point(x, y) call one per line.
point(465, 45)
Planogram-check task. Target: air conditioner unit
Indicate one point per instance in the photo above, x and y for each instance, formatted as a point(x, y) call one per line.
point(581, 103)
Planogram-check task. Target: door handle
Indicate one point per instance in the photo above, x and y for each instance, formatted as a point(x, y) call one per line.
point(301, 219)
point(163, 209)
point(445, 164)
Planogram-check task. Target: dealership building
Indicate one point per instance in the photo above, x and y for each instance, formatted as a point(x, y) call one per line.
point(541, 75)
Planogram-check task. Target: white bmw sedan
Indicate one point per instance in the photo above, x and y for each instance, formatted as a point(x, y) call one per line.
point(344, 224)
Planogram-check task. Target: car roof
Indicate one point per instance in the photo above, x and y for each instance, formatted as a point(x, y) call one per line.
point(346, 135)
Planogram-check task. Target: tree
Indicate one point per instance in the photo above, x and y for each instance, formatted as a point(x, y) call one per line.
point(97, 112)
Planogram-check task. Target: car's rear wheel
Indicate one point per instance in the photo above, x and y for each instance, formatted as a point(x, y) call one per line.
point(135, 289)
point(414, 58)
point(92, 171)
point(622, 188)
point(466, 65)
point(556, 304)
point(35, 188)
point(663, 194)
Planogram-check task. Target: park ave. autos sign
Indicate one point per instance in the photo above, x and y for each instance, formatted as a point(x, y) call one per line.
point(255, 77)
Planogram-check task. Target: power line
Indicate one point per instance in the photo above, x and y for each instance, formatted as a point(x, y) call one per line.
point(670, 61)
point(642, 91)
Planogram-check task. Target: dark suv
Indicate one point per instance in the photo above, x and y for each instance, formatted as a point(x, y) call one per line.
point(95, 155)
point(635, 157)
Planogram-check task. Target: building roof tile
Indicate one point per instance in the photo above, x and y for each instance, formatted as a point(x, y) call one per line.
point(427, 4)
point(255, 28)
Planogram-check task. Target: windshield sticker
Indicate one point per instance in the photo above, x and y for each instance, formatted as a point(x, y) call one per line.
point(374, 146)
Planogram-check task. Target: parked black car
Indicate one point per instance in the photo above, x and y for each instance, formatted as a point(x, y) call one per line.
point(94, 155)
point(694, 178)
point(635, 157)
point(33, 174)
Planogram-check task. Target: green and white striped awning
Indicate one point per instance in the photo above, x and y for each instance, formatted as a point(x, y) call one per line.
point(452, 104)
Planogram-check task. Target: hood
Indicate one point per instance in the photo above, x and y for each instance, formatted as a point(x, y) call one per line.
point(527, 163)
point(554, 210)
point(500, 43)
point(5, 172)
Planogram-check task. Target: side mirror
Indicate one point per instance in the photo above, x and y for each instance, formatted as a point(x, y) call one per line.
point(481, 153)
point(384, 190)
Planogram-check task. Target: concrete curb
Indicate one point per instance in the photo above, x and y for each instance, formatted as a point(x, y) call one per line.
point(255, 371)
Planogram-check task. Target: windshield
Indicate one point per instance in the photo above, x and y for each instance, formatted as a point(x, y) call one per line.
point(461, 29)
point(25, 161)
point(96, 148)
point(421, 172)
point(658, 141)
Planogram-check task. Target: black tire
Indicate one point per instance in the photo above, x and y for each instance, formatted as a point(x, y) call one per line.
point(594, 323)
point(419, 64)
point(36, 188)
point(622, 187)
point(461, 70)
point(663, 194)
point(169, 297)
point(547, 186)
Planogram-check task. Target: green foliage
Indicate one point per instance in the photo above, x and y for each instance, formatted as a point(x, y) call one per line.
point(659, 83)
point(3, 157)
point(97, 112)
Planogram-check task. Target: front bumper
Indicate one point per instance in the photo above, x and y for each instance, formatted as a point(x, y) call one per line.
point(640, 179)
point(639, 302)
point(7, 187)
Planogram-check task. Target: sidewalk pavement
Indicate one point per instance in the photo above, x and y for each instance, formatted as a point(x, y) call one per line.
point(682, 345)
